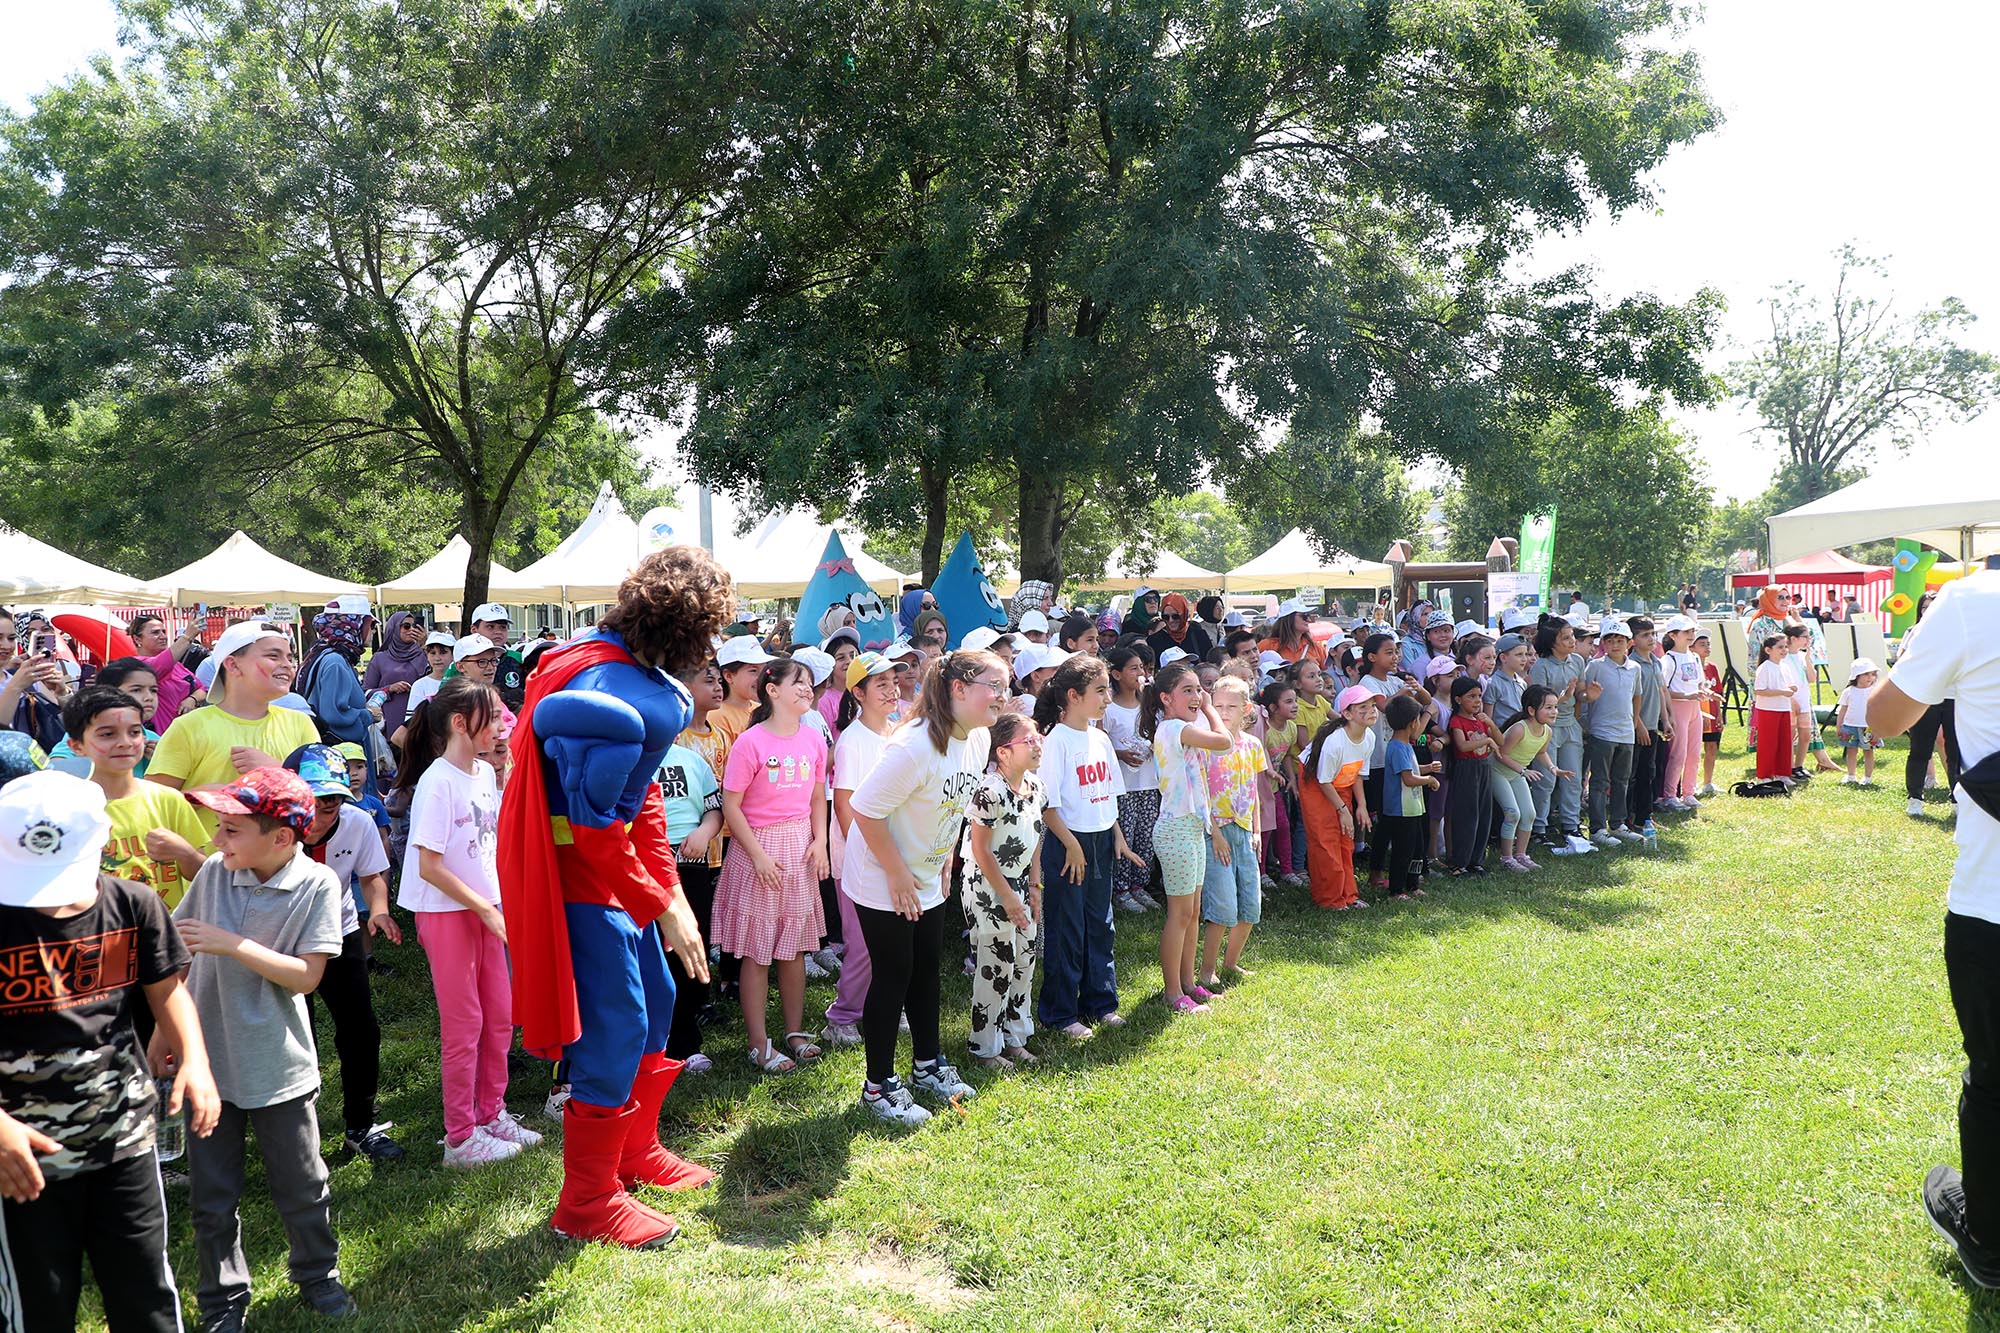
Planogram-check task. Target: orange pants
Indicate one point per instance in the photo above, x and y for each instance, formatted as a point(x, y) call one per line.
point(1329, 850)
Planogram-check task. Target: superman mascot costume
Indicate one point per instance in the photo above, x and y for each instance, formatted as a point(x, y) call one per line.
point(589, 890)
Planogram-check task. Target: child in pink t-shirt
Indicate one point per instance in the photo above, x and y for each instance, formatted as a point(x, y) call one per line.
point(767, 903)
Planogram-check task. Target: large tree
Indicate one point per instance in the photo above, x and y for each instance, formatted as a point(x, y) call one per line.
point(1097, 243)
point(1631, 502)
point(1843, 374)
point(287, 227)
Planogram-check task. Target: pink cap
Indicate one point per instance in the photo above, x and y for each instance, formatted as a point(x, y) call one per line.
point(1352, 695)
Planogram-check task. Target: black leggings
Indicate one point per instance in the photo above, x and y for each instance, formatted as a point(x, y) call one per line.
point(1405, 837)
point(690, 996)
point(1378, 846)
point(1923, 741)
point(905, 956)
point(357, 1036)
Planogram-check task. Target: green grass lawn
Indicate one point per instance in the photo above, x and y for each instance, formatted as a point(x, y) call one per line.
point(1696, 1089)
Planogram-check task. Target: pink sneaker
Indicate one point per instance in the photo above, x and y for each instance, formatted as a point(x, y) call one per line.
point(1528, 863)
point(507, 1129)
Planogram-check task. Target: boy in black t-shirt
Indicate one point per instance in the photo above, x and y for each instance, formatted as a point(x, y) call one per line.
point(77, 1170)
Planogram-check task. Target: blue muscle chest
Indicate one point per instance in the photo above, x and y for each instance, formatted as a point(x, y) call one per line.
point(664, 709)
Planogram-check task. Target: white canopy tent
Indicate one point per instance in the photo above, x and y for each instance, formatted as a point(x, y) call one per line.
point(240, 571)
point(1954, 508)
point(1293, 563)
point(777, 558)
point(33, 573)
point(585, 567)
point(442, 578)
point(1169, 573)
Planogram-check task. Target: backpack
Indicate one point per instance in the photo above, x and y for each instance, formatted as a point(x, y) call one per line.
point(1762, 787)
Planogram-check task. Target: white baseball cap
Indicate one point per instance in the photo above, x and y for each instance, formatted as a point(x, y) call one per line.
point(472, 645)
point(1270, 663)
point(1173, 655)
point(1030, 660)
point(900, 649)
point(983, 636)
point(1675, 624)
point(1515, 618)
point(1053, 656)
point(351, 604)
point(52, 834)
point(742, 650)
point(241, 635)
point(1233, 620)
point(1862, 666)
point(486, 611)
point(437, 638)
point(816, 661)
point(1613, 625)
point(1291, 606)
point(1034, 622)
point(847, 632)
point(1465, 627)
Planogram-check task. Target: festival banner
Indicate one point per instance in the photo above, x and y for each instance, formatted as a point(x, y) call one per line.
point(1538, 551)
point(835, 582)
point(964, 598)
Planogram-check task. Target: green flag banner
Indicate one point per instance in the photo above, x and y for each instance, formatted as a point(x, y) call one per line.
point(1538, 551)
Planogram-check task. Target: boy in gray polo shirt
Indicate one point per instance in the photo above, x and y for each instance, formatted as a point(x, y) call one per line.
point(261, 919)
point(1610, 721)
point(1654, 729)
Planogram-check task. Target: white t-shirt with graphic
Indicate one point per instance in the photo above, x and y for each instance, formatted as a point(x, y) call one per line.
point(457, 815)
point(921, 794)
point(1083, 777)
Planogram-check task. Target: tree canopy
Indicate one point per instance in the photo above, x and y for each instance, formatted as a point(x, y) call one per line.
point(1073, 244)
point(280, 231)
point(1841, 375)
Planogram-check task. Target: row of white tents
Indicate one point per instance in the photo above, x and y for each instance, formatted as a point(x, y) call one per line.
point(775, 559)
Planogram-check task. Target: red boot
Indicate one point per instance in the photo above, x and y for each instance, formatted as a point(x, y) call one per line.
point(593, 1205)
point(645, 1161)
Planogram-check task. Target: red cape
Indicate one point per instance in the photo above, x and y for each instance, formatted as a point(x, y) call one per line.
point(531, 896)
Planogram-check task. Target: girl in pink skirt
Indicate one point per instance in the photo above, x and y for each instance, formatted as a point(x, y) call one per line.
point(767, 904)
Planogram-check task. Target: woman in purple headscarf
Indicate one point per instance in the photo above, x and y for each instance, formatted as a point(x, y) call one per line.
point(328, 679)
point(397, 667)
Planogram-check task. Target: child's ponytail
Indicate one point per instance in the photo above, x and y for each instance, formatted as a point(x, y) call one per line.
point(430, 725)
point(1162, 684)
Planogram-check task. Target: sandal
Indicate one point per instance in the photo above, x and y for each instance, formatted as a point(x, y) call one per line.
point(1076, 1031)
point(801, 1047)
point(1021, 1055)
point(999, 1063)
point(768, 1061)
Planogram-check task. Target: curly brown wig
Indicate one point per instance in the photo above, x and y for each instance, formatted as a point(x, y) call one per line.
point(671, 606)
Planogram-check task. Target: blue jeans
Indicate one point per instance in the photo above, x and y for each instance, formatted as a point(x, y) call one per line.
point(625, 996)
point(1297, 818)
point(1078, 978)
point(1230, 895)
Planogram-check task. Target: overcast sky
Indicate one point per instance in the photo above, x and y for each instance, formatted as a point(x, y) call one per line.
point(1845, 121)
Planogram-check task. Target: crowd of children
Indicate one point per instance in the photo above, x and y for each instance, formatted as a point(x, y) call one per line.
point(833, 812)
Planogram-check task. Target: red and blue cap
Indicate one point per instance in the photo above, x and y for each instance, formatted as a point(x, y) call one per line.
point(276, 793)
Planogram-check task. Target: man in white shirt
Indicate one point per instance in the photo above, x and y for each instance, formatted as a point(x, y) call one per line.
point(1955, 653)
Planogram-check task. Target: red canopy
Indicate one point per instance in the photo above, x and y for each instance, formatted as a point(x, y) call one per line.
point(1827, 569)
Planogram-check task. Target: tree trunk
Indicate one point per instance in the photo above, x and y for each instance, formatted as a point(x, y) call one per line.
point(482, 521)
point(1042, 525)
point(936, 485)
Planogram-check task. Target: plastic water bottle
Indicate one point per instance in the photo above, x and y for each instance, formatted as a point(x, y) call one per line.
point(170, 1130)
point(376, 698)
point(1652, 839)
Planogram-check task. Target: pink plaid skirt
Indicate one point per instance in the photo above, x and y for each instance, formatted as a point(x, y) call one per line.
point(762, 925)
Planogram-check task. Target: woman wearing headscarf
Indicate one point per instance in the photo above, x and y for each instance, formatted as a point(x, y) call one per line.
point(397, 667)
point(909, 609)
point(1033, 595)
point(328, 681)
point(1410, 630)
point(1208, 615)
point(1178, 630)
point(1144, 616)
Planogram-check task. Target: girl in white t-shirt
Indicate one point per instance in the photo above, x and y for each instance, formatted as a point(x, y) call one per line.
point(865, 720)
point(451, 885)
point(1685, 687)
point(1083, 778)
point(1139, 806)
point(1776, 703)
point(909, 812)
point(1334, 803)
point(1181, 723)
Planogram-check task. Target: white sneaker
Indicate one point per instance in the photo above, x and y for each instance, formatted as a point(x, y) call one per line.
point(1128, 902)
point(697, 1064)
point(814, 972)
point(1606, 838)
point(893, 1104)
point(1849, 780)
point(841, 1034)
point(1625, 833)
point(558, 1098)
point(507, 1129)
point(1580, 845)
point(1915, 807)
point(940, 1080)
point(480, 1149)
point(1147, 902)
point(829, 961)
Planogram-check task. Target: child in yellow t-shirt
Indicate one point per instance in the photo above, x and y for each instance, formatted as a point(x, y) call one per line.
point(155, 838)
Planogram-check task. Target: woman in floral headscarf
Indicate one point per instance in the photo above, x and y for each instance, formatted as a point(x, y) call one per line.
point(328, 680)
